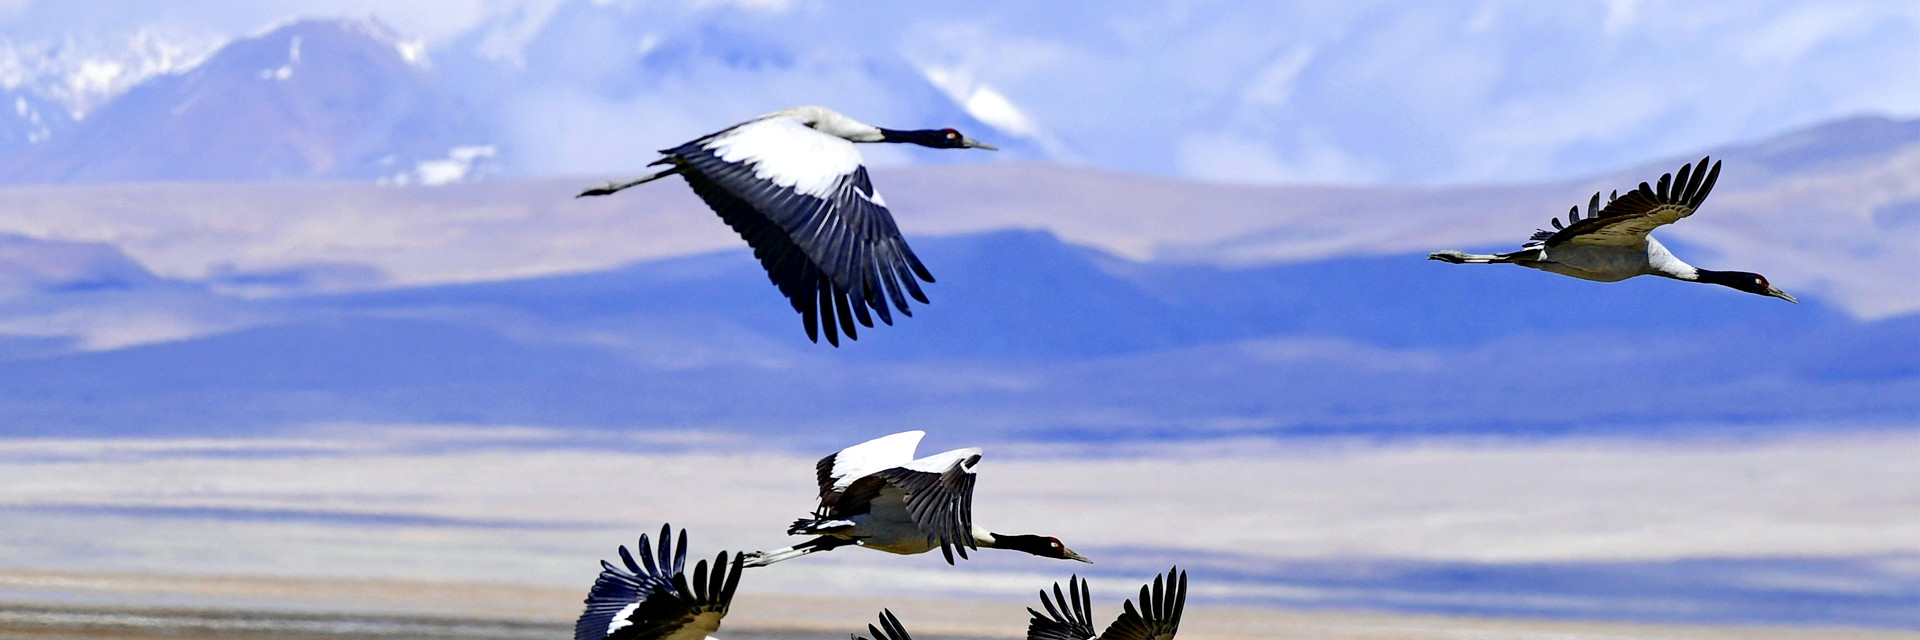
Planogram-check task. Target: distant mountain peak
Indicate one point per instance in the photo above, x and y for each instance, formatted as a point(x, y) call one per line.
point(1859, 138)
point(368, 29)
point(310, 99)
point(34, 265)
point(81, 76)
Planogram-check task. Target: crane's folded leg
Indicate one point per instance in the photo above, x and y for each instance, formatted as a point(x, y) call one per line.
point(816, 545)
point(1462, 257)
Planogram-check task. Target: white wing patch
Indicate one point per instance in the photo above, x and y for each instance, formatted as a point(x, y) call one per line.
point(788, 153)
point(875, 198)
point(940, 462)
point(879, 454)
point(620, 620)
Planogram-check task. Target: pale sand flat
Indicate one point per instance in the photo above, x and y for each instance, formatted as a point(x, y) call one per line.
point(52, 605)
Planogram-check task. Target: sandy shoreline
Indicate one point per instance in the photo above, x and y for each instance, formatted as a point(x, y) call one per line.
point(55, 605)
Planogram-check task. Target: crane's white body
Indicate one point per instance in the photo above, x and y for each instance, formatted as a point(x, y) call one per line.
point(888, 526)
point(1610, 263)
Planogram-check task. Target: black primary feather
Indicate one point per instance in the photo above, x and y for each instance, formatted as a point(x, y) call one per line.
point(1628, 218)
point(1158, 616)
point(889, 629)
point(1069, 615)
point(651, 598)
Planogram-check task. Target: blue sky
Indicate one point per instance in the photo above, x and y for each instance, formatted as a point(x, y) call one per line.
point(1355, 92)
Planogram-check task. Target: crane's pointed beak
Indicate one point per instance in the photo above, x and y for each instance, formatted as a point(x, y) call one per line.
point(1777, 293)
point(1075, 556)
point(971, 143)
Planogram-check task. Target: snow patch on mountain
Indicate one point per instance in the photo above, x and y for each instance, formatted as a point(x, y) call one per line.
point(285, 71)
point(30, 120)
point(81, 76)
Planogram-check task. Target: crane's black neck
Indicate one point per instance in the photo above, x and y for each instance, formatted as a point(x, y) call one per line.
point(1712, 277)
point(1723, 277)
point(936, 138)
point(1741, 280)
point(1036, 545)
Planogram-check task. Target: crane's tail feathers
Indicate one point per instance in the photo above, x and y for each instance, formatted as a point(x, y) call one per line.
point(613, 187)
point(1462, 257)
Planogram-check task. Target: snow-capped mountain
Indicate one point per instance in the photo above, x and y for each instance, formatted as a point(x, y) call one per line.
point(46, 87)
point(351, 99)
point(345, 99)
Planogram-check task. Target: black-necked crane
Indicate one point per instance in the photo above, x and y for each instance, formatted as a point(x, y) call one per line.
point(877, 495)
point(793, 186)
point(654, 599)
point(1611, 244)
point(1157, 618)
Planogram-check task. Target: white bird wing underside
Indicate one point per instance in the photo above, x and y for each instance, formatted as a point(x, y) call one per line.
point(785, 151)
point(839, 470)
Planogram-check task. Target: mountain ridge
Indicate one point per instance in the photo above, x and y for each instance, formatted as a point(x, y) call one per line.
point(1048, 346)
point(311, 99)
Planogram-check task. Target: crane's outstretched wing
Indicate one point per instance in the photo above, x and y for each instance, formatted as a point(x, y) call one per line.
point(802, 200)
point(836, 472)
point(1071, 620)
point(653, 599)
point(1158, 617)
point(939, 497)
point(889, 628)
point(1626, 220)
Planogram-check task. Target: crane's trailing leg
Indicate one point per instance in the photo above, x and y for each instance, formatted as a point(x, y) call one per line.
point(816, 545)
point(1462, 257)
point(612, 187)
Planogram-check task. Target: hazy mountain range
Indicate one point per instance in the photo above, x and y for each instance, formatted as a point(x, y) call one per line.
point(1071, 303)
